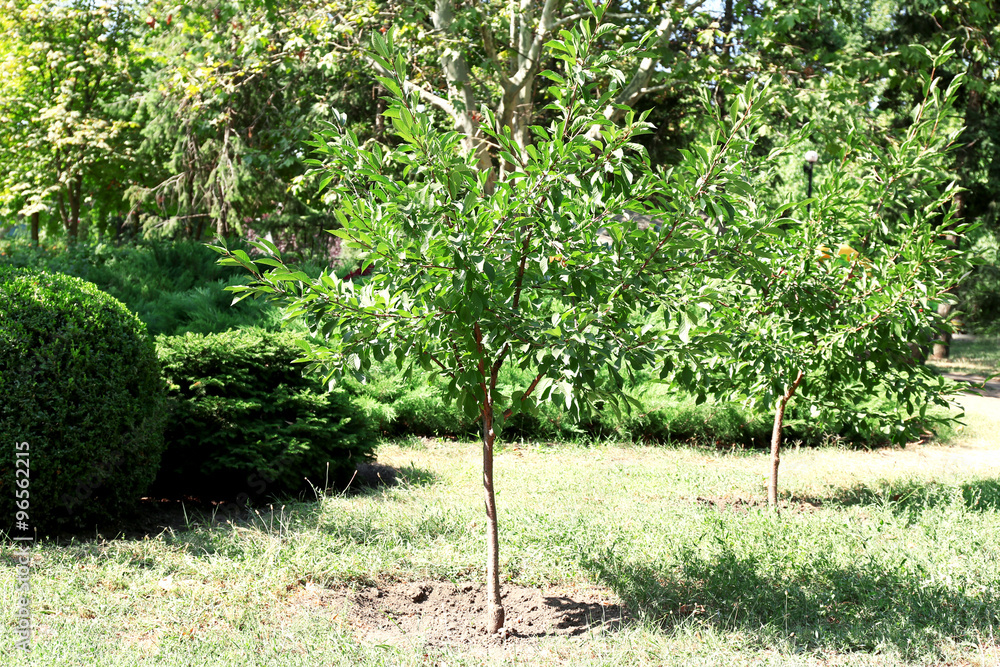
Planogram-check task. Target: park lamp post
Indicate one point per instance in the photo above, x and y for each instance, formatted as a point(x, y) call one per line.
point(811, 157)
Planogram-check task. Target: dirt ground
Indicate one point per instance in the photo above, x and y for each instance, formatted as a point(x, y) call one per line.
point(439, 614)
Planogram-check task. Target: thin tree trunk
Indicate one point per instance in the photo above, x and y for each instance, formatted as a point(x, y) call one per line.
point(34, 228)
point(779, 422)
point(379, 92)
point(494, 605)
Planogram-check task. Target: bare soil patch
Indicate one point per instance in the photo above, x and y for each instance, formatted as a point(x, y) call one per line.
point(441, 614)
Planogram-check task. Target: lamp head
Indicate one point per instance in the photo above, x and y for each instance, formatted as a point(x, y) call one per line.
point(812, 157)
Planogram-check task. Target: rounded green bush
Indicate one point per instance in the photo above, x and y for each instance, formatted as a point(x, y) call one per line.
point(80, 384)
point(246, 422)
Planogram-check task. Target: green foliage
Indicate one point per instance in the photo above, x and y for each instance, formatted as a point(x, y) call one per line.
point(81, 385)
point(462, 263)
point(245, 421)
point(751, 299)
point(66, 148)
point(979, 293)
point(828, 306)
point(232, 91)
point(416, 405)
point(174, 287)
point(464, 270)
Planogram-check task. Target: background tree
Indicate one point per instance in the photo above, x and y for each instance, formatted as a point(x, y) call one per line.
point(464, 55)
point(235, 91)
point(970, 30)
point(66, 67)
point(828, 308)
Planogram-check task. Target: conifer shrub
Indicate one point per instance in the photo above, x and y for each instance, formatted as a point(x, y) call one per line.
point(246, 422)
point(80, 384)
point(174, 287)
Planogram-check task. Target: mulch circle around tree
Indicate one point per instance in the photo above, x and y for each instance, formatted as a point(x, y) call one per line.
point(432, 613)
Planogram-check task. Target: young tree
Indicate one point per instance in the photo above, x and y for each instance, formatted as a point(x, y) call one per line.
point(548, 269)
point(830, 307)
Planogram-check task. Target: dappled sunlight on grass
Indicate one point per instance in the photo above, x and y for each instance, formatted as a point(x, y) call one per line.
point(978, 356)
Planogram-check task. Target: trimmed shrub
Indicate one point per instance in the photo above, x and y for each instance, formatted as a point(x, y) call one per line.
point(81, 385)
point(245, 421)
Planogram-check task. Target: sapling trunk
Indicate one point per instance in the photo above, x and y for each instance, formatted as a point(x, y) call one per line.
point(779, 423)
point(494, 606)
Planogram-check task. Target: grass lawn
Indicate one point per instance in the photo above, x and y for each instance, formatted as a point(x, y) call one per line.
point(976, 356)
point(878, 558)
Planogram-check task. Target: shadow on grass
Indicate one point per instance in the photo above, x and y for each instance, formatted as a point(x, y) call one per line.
point(580, 617)
point(859, 608)
point(177, 517)
point(376, 475)
point(912, 496)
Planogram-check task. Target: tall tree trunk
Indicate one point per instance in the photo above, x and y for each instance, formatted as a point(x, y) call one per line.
point(494, 604)
point(73, 192)
point(456, 70)
point(34, 228)
point(779, 423)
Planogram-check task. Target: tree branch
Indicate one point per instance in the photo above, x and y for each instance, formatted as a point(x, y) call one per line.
point(534, 383)
point(531, 55)
point(490, 46)
point(634, 90)
point(520, 271)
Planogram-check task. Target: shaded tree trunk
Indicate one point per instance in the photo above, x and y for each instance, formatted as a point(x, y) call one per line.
point(222, 221)
point(942, 346)
point(34, 228)
point(779, 423)
point(73, 193)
